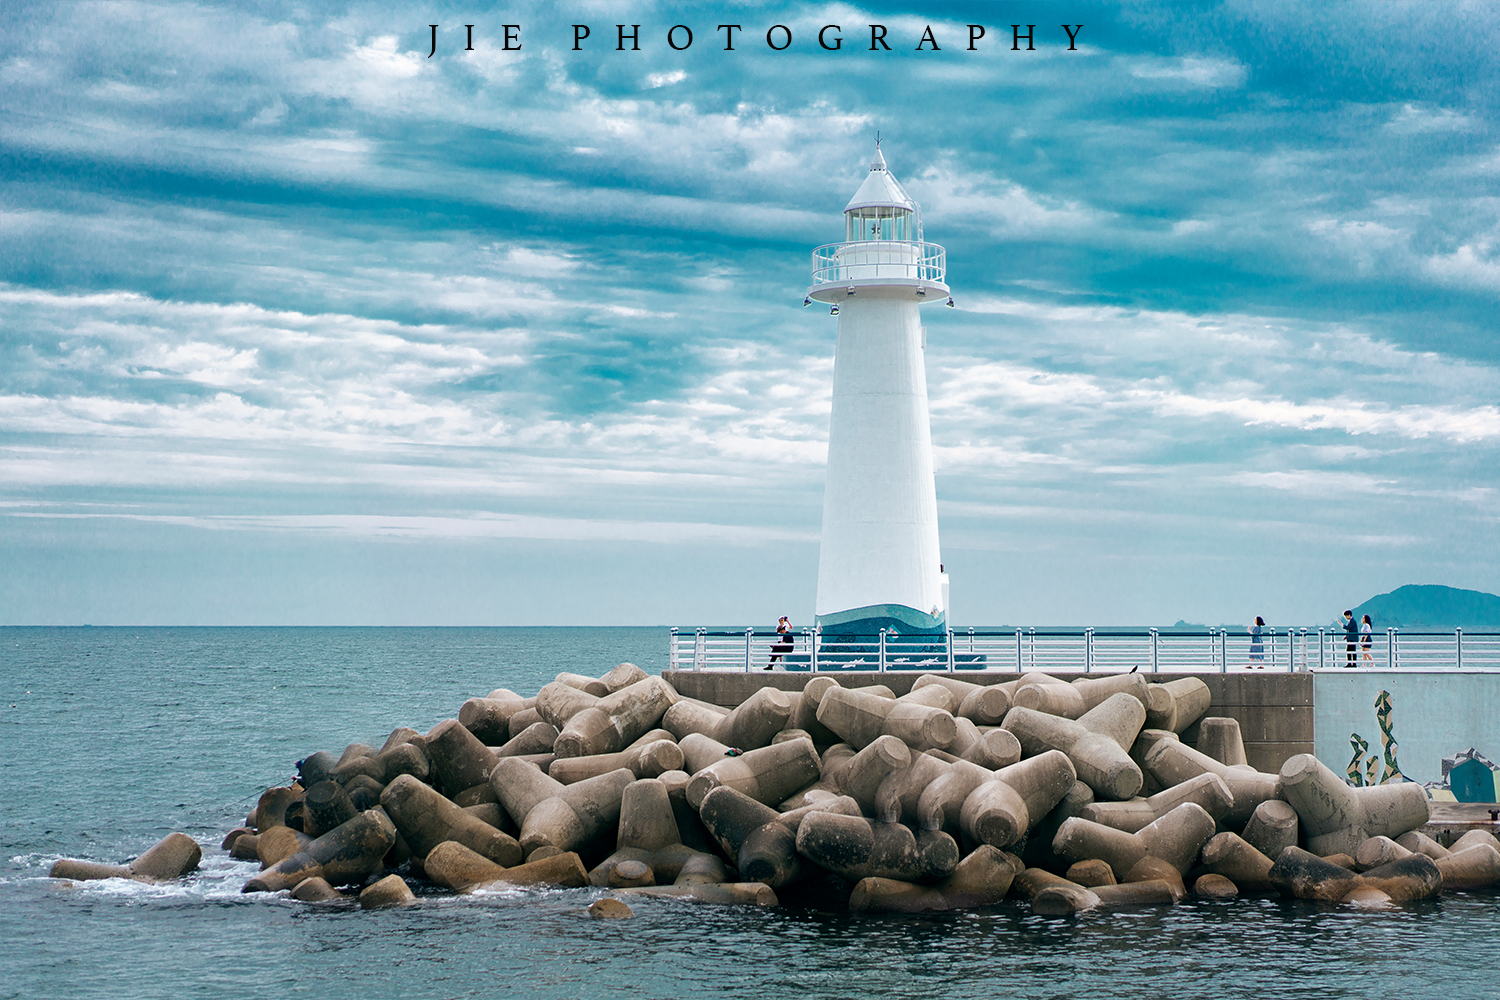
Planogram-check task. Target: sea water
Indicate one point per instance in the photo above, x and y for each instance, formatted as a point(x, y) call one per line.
point(112, 737)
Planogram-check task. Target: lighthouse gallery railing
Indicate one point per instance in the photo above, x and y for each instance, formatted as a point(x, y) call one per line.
point(863, 260)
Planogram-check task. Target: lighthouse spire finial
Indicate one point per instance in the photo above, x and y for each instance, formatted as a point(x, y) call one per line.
point(878, 163)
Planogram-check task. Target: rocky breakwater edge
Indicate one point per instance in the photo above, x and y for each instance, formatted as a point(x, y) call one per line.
point(1070, 796)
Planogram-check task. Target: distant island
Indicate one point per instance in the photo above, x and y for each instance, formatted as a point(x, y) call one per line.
point(1430, 606)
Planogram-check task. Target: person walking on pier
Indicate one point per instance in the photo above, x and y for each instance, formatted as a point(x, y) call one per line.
point(1366, 639)
point(783, 642)
point(1351, 639)
point(1257, 645)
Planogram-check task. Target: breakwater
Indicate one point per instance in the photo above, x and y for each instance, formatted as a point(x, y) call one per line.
point(1075, 795)
point(210, 716)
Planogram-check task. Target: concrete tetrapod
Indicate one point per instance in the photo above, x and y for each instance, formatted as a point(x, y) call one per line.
point(1050, 696)
point(489, 718)
point(1037, 851)
point(648, 833)
point(763, 848)
point(1378, 851)
point(1393, 809)
point(1097, 690)
point(999, 812)
point(941, 804)
point(757, 719)
point(426, 819)
point(981, 879)
point(1091, 873)
point(1306, 876)
point(859, 718)
point(539, 737)
point(1419, 843)
point(1175, 705)
point(649, 761)
point(982, 704)
point(1098, 760)
point(1474, 868)
point(455, 866)
point(1120, 717)
point(1150, 869)
point(571, 816)
point(341, 856)
point(458, 759)
point(616, 720)
point(524, 720)
point(556, 703)
point(315, 890)
point(832, 766)
point(389, 891)
point(1220, 739)
point(1474, 838)
point(1172, 762)
point(588, 685)
point(1229, 855)
point(992, 748)
point(1082, 840)
point(863, 774)
point(1179, 836)
point(724, 894)
point(898, 795)
point(324, 807)
point(1415, 876)
point(854, 847)
point(1331, 815)
point(172, 857)
point(1272, 828)
point(280, 843)
point(769, 774)
point(1207, 790)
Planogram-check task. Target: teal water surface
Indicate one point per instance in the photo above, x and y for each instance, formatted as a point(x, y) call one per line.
point(113, 737)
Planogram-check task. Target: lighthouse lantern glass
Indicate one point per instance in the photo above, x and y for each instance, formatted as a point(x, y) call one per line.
point(880, 222)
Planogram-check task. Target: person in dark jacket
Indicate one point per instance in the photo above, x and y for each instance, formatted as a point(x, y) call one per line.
point(1351, 639)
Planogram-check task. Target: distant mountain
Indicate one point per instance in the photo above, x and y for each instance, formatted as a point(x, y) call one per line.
point(1432, 606)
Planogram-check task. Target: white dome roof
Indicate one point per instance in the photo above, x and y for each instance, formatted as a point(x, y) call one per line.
point(880, 189)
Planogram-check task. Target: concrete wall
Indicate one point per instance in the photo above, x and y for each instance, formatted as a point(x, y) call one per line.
point(1433, 715)
point(1275, 710)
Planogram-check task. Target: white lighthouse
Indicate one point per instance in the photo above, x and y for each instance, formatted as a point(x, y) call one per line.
point(879, 566)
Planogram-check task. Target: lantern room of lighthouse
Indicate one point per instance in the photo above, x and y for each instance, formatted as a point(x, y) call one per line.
point(879, 565)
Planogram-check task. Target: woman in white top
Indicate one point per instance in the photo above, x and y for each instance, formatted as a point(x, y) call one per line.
point(1366, 639)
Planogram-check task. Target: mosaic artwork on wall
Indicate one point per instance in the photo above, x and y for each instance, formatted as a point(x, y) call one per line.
point(1361, 770)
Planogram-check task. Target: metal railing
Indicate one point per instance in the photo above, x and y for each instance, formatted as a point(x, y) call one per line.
point(1085, 650)
point(834, 263)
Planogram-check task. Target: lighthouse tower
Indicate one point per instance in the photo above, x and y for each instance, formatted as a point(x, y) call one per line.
point(879, 565)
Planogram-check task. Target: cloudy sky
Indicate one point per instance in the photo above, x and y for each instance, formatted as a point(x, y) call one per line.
point(301, 326)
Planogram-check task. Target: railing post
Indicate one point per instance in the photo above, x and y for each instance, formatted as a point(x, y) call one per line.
point(971, 638)
point(1320, 647)
point(950, 651)
point(700, 652)
point(1088, 651)
point(1390, 648)
point(1154, 655)
point(1018, 649)
point(749, 644)
point(1458, 649)
point(817, 640)
point(882, 651)
point(672, 649)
